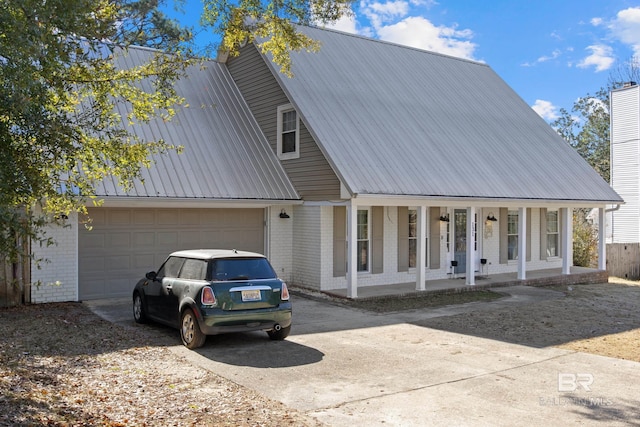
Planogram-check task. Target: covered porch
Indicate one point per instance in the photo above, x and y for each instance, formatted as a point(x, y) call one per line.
point(549, 277)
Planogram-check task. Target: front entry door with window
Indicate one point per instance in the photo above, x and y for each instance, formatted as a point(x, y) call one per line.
point(460, 240)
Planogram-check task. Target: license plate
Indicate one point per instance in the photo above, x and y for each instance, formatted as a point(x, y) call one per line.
point(252, 295)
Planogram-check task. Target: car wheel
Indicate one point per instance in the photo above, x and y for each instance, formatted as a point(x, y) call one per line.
point(279, 335)
point(192, 336)
point(138, 309)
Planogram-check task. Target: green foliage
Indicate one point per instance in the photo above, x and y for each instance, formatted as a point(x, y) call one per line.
point(585, 240)
point(586, 128)
point(62, 80)
point(270, 24)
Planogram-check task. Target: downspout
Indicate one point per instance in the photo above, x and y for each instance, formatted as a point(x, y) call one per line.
point(606, 211)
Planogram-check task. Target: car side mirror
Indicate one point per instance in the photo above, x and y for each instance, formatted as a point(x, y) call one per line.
point(152, 275)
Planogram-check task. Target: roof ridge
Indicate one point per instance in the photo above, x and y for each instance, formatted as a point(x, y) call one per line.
point(362, 37)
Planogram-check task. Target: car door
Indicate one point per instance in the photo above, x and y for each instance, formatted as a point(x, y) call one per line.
point(159, 292)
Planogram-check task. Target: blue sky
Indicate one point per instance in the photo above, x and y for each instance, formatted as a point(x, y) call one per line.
point(549, 52)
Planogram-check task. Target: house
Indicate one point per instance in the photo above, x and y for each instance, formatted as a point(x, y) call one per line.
point(377, 164)
point(625, 158)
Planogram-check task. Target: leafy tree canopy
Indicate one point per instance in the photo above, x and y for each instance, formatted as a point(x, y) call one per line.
point(59, 88)
point(586, 125)
point(271, 24)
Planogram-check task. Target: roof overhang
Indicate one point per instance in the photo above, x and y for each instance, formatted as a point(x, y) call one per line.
point(202, 203)
point(403, 200)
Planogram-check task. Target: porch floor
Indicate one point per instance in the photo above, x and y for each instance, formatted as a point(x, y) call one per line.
point(549, 277)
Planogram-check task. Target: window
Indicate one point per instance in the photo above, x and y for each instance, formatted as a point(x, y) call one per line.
point(363, 240)
point(194, 269)
point(288, 133)
point(171, 267)
point(552, 233)
point(242, 269)
point(512, 235)
point(413, 229)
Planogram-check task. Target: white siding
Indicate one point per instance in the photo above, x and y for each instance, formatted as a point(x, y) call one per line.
point(625, 162)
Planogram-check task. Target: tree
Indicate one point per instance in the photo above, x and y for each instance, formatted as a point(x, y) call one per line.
point(59, 85)
point(270, 24)
point(587, 129)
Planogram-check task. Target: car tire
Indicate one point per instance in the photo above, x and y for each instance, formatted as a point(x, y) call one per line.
point(279, 335)
point(192, 336)
point(138, 309)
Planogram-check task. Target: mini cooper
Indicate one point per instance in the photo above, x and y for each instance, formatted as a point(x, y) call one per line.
point(213, 291)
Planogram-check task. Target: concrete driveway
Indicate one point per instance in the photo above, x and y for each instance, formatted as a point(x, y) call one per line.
point(351, 368)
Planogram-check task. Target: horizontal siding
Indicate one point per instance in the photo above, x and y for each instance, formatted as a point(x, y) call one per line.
point(310, 174)
point(625, 162)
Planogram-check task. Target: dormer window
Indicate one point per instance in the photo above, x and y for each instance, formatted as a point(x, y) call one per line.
point(288, 133)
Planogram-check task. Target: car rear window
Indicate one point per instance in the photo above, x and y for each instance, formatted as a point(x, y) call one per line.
point(241, 269)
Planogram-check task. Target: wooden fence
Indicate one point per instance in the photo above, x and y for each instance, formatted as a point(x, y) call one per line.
point(623, 260)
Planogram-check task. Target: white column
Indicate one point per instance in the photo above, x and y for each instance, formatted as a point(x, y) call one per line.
point(567, 240)
point(602, 239)
point(352, 248)
point(421, 248)
point(522, 243)
point(471, 250)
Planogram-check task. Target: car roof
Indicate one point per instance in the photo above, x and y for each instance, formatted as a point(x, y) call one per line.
point(215, 253)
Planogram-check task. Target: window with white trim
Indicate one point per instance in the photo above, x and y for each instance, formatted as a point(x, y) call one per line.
point(413, 230)
point(363, 244)
point(552, 233)
point(512, 235)
point(288, 144)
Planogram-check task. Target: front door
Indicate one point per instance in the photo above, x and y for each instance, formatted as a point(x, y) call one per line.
point(460, 240)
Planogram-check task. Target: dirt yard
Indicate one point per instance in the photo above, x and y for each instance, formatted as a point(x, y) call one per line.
point(61, 365)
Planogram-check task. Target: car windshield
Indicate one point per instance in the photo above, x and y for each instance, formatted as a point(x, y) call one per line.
point(241, 269)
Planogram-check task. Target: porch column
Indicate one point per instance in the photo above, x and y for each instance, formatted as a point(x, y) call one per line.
point(421, 248)
point(471, 250)
point(567, 240)
point(522, 243)
point(352, 250)
point(602, 239)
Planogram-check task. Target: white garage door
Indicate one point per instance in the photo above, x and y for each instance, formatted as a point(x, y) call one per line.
point(123, 244)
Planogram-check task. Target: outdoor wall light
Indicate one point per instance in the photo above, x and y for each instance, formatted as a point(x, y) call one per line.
point(283, 214)
point(444, 218)
point(491, 217)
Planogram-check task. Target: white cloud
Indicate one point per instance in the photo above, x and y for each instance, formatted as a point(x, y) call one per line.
point(601, 58)
point(545, 109)
point(596, 22)
point(626, 27)
point(419, 32)
point(346, 24)
point(382, 13)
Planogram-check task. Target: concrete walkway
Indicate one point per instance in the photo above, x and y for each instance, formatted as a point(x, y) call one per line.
point(351, 368)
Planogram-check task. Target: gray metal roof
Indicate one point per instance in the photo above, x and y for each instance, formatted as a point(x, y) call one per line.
point(394, 120)
point(226, 155)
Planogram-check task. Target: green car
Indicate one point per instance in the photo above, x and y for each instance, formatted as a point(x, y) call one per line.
point(214, 291)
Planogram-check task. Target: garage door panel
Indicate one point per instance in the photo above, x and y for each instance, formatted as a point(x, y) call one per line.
point(116, 264)
point(168, 217)
point(124, 244)
point(119, 240)
point(119, 217)
point(166, 238)
point(144, 217)
point(93, 240)
point(143, 239)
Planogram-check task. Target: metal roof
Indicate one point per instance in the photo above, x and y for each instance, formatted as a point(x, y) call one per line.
point(394, 120)
point(226, 155)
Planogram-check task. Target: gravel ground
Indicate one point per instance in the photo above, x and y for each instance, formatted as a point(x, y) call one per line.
point(61, 365)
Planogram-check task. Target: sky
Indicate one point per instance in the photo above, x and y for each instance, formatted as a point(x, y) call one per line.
point(551, 52)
